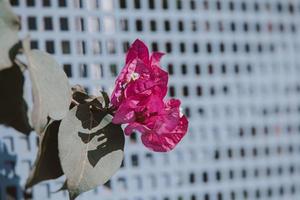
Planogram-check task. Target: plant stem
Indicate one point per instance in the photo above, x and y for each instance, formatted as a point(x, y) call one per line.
point(75, 102)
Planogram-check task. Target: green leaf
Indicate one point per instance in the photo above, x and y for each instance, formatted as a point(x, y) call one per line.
point(79, 96)
point(47, 165)
point(7, 15)
point(90, 147)
point(9, 26)
point(13, 108)
point(50, 87)
point(8, 38)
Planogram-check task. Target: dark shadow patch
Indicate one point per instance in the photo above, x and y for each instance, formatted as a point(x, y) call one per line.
point(90, 114)
point(13, 108)
point(47, 164)
point(113, 134)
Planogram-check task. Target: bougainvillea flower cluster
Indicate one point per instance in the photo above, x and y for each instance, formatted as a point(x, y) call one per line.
point(138, 101)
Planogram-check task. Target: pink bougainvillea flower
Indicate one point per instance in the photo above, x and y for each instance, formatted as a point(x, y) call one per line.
point(141, 74)
point(138, 101)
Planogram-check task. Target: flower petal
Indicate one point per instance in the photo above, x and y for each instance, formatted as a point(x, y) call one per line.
point(122, 79)
point(169, 117)
point(138, 50)
point(155, 58)
point(150, 78)
point(136, 127)
point(125, 113)
point(163, 142)
point(153, 103)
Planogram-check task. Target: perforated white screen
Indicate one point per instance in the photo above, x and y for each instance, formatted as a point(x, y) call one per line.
point(234, 64)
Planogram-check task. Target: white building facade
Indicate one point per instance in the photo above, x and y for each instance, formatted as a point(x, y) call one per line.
point(235, 65)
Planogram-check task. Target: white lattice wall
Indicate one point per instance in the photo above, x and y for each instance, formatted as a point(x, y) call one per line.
point(234, 64)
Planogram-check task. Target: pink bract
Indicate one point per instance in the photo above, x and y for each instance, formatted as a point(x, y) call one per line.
point(162, 129)
point(138, 101)
point(165, 141)
point(141, 74)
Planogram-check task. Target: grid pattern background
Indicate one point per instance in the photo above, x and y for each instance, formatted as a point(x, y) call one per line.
point(234, 64)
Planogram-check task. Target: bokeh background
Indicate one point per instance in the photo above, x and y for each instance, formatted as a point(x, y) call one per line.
point(235, 64)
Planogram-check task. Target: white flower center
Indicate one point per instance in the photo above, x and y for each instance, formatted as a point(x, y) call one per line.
point(135, 76)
